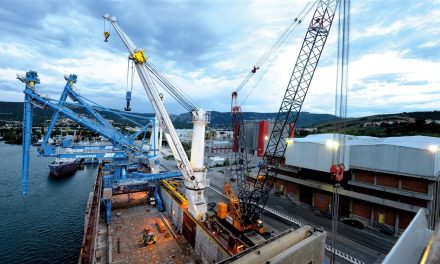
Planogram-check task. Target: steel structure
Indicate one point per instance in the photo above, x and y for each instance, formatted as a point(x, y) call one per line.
point(193, 170)
point(121, 153)
point(239, 165)
point(124, 144)
point(253, 198)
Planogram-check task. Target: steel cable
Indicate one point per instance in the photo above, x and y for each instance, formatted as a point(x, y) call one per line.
point(286, 35)
point(341, 98)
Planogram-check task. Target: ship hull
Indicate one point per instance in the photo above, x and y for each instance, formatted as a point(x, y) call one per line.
point(65, 168)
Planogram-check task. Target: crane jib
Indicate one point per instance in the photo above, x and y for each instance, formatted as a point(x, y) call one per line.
point(254, 200)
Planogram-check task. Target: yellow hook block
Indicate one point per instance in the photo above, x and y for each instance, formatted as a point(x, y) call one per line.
point(139, 56)
point(106, 35)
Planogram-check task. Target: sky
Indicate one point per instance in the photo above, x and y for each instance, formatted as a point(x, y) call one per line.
point(208, 47)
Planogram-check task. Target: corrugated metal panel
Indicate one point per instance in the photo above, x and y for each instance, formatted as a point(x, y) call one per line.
point(251, 132)
point(400, 155)
point(394, 159)
point(314, 156)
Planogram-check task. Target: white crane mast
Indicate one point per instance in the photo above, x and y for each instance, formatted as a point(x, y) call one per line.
point(194, 172)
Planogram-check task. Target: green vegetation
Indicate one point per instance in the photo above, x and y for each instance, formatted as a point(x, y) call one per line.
point(13, 111)
point(169, 157)
point(187, 148)
point(404, 124)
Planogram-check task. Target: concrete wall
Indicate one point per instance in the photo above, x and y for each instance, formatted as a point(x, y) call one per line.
point(310, 250)
point(172, 208)
point(207, 249)
point(303, 245)
point(410, 246)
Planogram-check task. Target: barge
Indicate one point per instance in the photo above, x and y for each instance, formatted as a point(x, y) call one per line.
point(180, 238)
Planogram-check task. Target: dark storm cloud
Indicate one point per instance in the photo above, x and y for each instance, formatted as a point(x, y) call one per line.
point(170, 30)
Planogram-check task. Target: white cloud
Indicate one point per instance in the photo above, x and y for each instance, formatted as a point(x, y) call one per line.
point(429, 44)
point(387, 73)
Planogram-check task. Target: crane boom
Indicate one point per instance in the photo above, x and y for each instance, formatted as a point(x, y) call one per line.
point(303, 71)
point(193, 171)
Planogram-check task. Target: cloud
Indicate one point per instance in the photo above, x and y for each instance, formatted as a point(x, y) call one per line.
point(429, 44)
point(208, 48)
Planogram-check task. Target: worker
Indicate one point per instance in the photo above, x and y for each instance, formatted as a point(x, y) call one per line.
point(254, 70)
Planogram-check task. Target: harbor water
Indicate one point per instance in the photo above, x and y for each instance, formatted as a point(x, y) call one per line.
point(46, 225)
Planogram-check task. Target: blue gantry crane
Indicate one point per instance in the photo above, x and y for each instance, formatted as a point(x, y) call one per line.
point(124, 152)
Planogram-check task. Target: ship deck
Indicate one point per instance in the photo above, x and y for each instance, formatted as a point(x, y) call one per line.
point(130, 216)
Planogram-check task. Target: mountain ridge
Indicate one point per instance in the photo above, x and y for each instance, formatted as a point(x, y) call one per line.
point(13, 111)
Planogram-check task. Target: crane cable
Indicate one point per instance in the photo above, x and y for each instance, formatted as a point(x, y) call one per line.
point(130, 84)
point(178, 94)
point(341, 96)
point(106, 33)
point(286, 35)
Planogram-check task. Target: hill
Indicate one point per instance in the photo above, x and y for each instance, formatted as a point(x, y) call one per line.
point(223, 119)
point(13, 111)
point(402, 124)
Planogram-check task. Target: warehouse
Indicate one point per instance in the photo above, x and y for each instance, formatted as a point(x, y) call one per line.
point(387, 180)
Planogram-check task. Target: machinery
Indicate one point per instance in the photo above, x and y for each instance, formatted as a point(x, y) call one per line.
point(125, 154)
point(148, 238)
point(240, 165)
point(252, 198)
point(68, 149)
point(193, 170)
point(232, 215)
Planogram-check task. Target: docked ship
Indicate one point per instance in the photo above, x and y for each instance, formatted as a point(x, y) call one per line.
point(62, 167)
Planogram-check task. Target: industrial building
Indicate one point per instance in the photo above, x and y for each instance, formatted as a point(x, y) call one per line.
point(256, 135)
point(386, 182)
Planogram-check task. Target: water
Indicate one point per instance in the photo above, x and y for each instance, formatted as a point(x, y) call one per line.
point(46, 225)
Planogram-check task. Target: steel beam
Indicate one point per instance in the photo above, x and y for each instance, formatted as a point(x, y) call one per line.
point(30, 79)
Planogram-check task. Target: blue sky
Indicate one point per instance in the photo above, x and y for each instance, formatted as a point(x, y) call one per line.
point(208, 47)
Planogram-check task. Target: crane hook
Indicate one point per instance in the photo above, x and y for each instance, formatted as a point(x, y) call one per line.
point(106, 36)
point(128, 99)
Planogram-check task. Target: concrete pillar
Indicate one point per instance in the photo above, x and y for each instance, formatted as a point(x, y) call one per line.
point(396, 225)
point(430, 206)
point(433, 205)
point(400, 183)
point(437, 201)
point(375, 179)
point(430, 188)
point(372, 216)
point(350, 214)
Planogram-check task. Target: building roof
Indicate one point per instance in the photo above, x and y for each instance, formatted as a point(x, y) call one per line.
point(417, 142)
point(417, 156)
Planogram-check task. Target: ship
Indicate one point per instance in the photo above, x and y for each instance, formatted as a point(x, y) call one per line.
point(62, 167)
